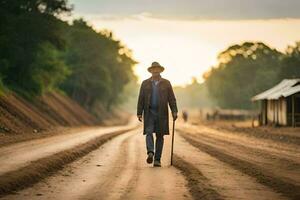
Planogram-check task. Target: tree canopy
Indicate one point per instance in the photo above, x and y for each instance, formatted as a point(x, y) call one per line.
point(291, 62)
point(100, 65)
point(30, 39)
point(40, 52)
point(247, 69)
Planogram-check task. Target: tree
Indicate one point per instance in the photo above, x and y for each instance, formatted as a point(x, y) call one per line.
point(35, 6)
point(194, 95)
point(291, 62)
point(243, 71)
point(49, 68)
point(27, 28)
point(100, 65)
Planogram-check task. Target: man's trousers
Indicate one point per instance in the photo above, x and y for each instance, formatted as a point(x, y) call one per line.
point(152, 127)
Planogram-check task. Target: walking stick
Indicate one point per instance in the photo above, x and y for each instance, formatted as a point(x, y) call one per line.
point(173, 130)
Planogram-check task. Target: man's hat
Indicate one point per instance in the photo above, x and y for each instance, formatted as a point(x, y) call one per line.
point(156, 65)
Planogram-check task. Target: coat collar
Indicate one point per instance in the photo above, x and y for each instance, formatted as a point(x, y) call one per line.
point(151, 78)
point(148, 82)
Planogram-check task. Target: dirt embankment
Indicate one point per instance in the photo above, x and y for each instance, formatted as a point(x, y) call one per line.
point(18, 115)
point(22, 119)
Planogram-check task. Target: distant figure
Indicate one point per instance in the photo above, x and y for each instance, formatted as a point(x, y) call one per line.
point(155, 95)
point(185, 115)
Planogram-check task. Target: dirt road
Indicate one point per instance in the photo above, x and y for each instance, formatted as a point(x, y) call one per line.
point(267, 164)
point(208, 164)
point(117, 170)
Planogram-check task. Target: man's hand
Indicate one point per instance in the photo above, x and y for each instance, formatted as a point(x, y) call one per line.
point(140, 118)
point(174, 114)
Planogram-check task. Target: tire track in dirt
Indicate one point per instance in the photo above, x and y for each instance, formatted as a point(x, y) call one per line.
point(198, 184)
point(44, 167)
point(221, 177)
point(259, 132)
point(288, 151)
point(119, 176)
point(251, 150)
point(138, 180)
point(117, 170)
point(288, 169)
point(82, 178)
point(150, 182)
point(291, 191)
point(135, 173)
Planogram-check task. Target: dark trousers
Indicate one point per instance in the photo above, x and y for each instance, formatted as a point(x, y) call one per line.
point(150, 129)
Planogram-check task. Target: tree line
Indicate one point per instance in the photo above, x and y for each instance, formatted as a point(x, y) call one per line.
point(39, 52)
point(194, 95)
point(247, 69)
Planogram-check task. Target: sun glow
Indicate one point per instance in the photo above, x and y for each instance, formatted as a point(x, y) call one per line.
point(188, 48)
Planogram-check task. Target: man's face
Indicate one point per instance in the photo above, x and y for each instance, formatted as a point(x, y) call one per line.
point(155, 71)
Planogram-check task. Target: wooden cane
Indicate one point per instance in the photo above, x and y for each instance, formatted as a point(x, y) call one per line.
point(172, 146)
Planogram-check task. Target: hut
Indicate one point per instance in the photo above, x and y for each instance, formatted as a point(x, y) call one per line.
point(280, 105)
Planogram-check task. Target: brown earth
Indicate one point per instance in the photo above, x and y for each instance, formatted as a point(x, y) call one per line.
point(51, 114)
point(209, 164)
point(271, 162)
point(281, 134)
point(53, 109)
point(212, 160)
point(116, 170)
point(37, 159)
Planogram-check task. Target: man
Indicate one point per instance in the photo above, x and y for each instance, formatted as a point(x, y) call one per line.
point(155, 95)
point(185, 115)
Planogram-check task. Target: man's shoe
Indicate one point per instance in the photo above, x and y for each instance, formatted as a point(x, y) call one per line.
point(150, 158)
point(157, 163)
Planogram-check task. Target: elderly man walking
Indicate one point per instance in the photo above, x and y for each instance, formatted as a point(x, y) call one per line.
point(155, 95)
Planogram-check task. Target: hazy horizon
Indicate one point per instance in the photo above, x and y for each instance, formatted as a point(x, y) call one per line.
point(184, 41)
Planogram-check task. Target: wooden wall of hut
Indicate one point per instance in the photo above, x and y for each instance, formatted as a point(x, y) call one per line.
point(293, 110)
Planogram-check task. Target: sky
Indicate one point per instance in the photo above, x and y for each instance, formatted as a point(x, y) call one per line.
point(185, 36)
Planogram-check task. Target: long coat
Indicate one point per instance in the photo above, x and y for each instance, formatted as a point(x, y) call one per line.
point(166, 96)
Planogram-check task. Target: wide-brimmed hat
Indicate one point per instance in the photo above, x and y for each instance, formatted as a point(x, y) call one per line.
point(156, 65)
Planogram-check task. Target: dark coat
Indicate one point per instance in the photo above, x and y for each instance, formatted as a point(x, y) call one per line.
point(166, 96)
